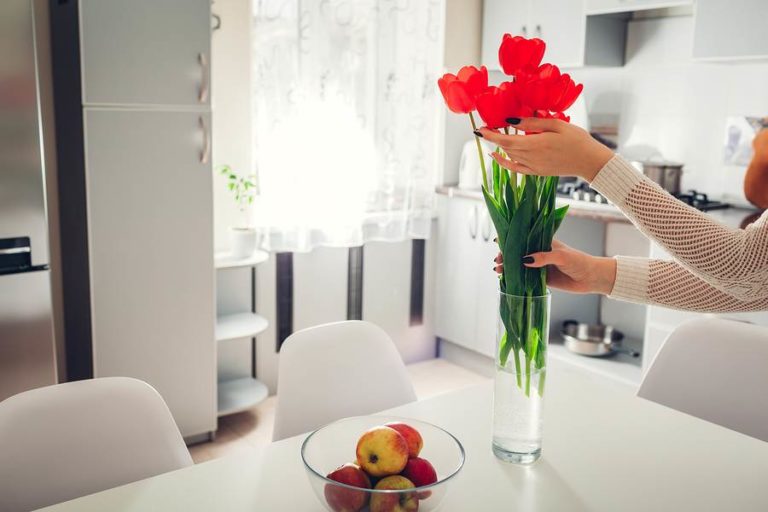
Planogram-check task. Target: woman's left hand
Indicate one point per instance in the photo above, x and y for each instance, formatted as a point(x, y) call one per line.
point(561, 149)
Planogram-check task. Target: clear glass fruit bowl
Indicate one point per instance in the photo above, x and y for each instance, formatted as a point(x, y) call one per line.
point(333, 445)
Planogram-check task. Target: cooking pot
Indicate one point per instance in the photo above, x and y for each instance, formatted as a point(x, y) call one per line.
point(666, 174)
point(593, 340)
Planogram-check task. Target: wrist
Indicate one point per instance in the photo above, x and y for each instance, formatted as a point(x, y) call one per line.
point(605, 275)
point(598, 157)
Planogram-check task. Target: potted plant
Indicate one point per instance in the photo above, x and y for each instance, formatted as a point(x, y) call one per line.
point(243, 237)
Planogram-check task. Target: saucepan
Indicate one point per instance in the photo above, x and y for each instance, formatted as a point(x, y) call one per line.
point(593, 340)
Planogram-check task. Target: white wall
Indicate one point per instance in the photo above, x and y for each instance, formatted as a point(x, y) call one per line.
point(668, 102)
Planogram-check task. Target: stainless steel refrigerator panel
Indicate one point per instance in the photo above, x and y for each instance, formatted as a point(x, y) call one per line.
point(26, 333)
point(22, 184)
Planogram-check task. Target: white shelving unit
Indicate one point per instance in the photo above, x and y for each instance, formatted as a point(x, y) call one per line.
point(236, 395)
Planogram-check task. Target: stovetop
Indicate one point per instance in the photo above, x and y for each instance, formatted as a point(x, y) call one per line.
point(581, 191)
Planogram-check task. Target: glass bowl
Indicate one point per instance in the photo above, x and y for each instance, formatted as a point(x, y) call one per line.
point(335, 444)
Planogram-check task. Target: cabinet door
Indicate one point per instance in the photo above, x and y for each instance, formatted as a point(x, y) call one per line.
point(611, 6)
point(487, 288)
point(455, 287)
point(145, 52)
point(730, 29)
point(502, 17)
point(151, 249)
point(562, 24)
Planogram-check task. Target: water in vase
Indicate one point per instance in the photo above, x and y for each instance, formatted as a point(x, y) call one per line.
point(517, 416)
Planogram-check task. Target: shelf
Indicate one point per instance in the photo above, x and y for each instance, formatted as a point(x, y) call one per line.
point(237, 395)
point(224, 260)
point(620, 367)
point(239, 325)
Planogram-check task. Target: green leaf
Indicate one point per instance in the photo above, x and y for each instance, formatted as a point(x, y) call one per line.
point(497, 217)
point(560, 215)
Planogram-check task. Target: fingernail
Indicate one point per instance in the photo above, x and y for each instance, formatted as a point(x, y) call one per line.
point(478, 134)
point(513, 120)
point(528, 259)
point(495, 239)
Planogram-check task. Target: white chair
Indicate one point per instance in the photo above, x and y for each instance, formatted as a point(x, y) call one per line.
point(337, 370)
point(68, 440)
point(714, 369)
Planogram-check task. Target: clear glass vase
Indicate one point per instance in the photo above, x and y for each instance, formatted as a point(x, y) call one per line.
point(521, 371)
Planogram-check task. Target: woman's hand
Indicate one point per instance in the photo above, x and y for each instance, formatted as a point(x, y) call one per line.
point(561, 149)
point(571, 270)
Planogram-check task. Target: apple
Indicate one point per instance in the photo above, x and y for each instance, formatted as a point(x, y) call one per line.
point(342, 499)
point(420, 472)
point(394, 502)
point(411, 435)
point(382, 451)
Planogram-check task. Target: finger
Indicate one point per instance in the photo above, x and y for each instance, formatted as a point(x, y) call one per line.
point(510, 164)
point(542, 259)
point(557, 244)
point(499, 258)
point(501, 139)
point(535, 124)
point(499, 269)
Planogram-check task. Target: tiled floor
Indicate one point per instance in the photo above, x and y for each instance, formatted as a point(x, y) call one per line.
point(253, 428)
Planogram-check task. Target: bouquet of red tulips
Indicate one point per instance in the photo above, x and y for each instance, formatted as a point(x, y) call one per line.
point(522, 208)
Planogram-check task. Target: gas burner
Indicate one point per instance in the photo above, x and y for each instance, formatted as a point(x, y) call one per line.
point(700, 201)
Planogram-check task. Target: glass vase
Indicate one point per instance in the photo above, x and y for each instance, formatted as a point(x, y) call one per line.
point(521, 371)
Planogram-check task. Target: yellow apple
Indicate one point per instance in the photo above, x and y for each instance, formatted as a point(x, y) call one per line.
point(396, 501)
point(382, 451)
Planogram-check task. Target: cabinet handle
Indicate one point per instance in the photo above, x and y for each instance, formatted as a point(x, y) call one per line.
point(525, 31)
point(538, 30)
point(202, 96)
point(486, 227)
point(205, 153)
point(473, 222)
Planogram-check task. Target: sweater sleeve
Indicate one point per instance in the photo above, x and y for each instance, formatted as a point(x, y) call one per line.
point(667, 283)
point(733, 261)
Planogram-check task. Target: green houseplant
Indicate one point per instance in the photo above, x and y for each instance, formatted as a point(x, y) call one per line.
point(244, 188)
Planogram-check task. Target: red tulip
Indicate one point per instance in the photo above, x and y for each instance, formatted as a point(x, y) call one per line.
point(497, 104)
point(547, 89)
point(520, 55)
point(460, 91)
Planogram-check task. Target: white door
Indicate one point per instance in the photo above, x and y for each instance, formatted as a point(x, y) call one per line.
point(503, 17)
point(486, 287)
point(145, 52)
point(562, 24)
point(455, 282)
point(730, 29)
point(151, 249)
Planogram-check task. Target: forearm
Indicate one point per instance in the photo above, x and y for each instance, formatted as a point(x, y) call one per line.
point(667, 283)
point(731, 260)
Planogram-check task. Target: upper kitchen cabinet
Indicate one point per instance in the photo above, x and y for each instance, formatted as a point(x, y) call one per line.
point(613, 6)
point(572, 38)
point(145, 52)
point(730, 29)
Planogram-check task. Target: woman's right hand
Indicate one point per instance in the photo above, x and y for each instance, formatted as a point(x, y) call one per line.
point(571, 270)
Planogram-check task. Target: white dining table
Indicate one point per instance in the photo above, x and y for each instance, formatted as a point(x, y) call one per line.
point(604, 450)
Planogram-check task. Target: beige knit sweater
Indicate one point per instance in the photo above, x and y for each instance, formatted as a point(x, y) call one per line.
point(716, 269)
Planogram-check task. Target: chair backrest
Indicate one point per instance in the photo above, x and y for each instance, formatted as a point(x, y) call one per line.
point(68, 440)
point(337, 370)
point(714, 369)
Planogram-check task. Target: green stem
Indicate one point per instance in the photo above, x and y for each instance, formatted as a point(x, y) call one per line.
point(527, 376)
point(517, 369)
point(542, 380)
point(479, 152)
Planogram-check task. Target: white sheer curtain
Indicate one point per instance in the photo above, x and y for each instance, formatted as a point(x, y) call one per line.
point(344, 111)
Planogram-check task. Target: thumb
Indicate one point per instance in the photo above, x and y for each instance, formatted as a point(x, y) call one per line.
point(536, 124)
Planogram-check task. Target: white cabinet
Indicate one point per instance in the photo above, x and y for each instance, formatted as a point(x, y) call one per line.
point(730, 29)
point(151, 255)
point(145, 52)
point(561, 23)
point(466, 288)
point(612, 6)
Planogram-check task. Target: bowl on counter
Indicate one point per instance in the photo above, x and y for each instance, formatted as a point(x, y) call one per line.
point(328, 447)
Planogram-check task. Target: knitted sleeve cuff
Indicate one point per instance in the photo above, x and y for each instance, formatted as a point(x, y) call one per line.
point(631, 279)
point(616, 179)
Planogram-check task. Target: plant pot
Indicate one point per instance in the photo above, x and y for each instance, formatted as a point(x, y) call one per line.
point(521, 370)
point(243, 242)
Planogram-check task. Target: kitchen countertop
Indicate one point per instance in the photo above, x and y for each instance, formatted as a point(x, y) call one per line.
point(731, 217)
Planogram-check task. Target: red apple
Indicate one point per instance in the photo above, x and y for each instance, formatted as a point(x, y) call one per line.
point(412, 437)
point(394, 502)
point(382, 451)
point(420, 472)
point(342, 499)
